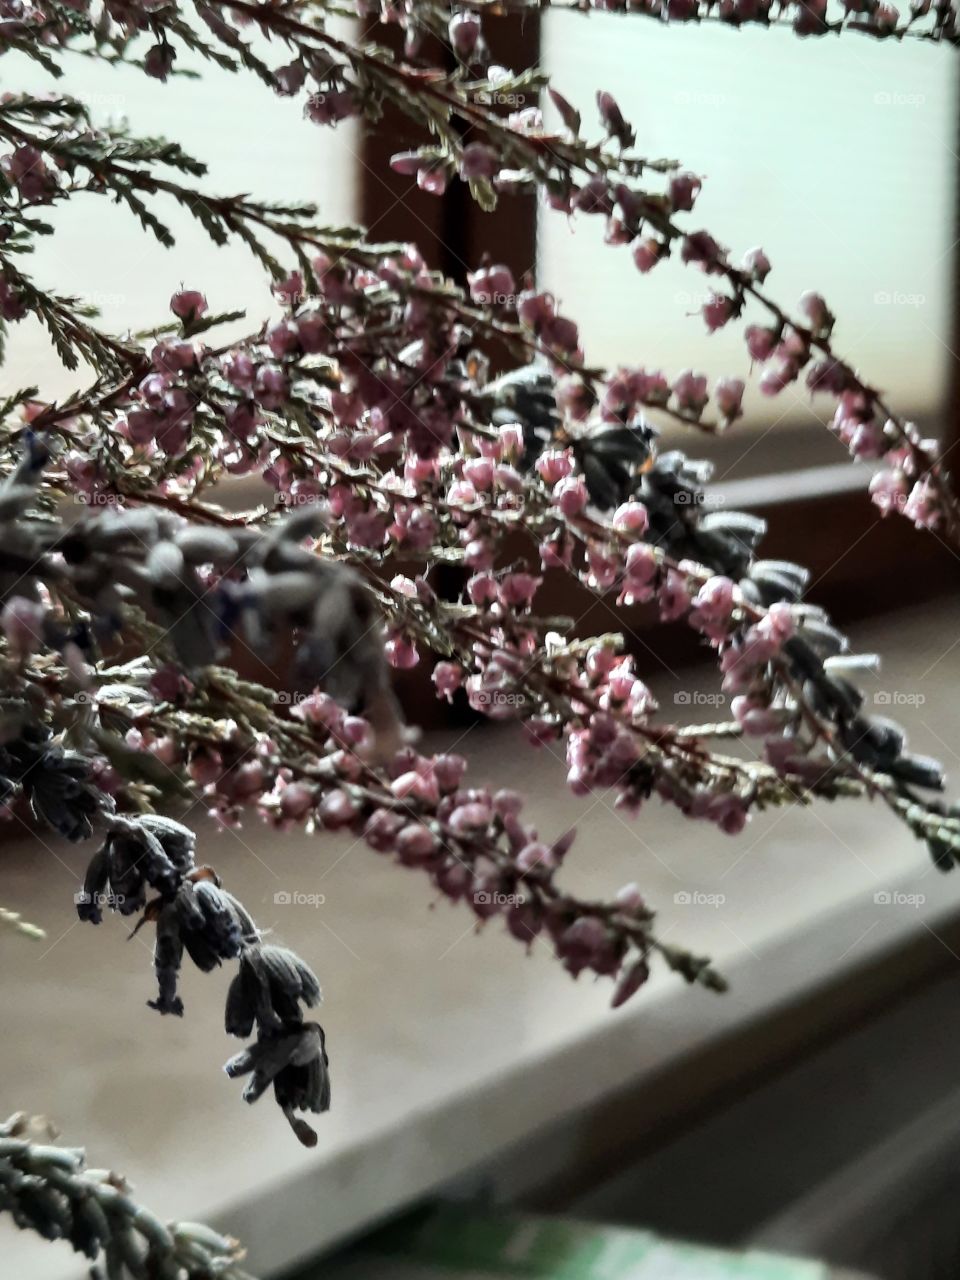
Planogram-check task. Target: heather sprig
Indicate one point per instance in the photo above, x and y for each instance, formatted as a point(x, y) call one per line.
point(371, 410)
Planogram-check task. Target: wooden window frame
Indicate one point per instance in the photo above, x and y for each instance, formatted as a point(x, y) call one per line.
point(860, 562)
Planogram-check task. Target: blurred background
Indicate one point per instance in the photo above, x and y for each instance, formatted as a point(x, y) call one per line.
point(812, 1112)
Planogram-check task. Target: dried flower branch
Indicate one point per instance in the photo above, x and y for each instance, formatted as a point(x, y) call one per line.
point(49, 1190)
point(460, 22)
point(373, 415)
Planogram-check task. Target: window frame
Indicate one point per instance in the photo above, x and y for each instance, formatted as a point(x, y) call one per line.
point(820, 515)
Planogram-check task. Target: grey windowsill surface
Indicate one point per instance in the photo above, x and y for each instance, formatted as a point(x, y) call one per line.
point(447, 1046)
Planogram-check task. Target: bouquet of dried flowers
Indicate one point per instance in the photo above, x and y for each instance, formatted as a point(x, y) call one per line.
point(373, 409)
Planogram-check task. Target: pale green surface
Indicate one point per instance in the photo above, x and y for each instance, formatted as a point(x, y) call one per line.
point(838, 156)
point(456, 1243)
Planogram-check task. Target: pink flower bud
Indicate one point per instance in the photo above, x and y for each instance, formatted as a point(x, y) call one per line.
point(646, 254)
point(461, 494)
point(716, 311)
point(612, 118)
point(756, 264)
point(690, 390)
point(888, 491)
point(478, 161)
point(728, 812)
point(433, 180)
point(401, 653)
point(923, 505)
point(478, 554)
point(536, 857)
point(492, 285)
point(553, 465)
point(817, 312)
point(774, 380)
point(571, 496)
point(296, 801)
point(448, 769)
point(482, 588)
point(641, 563)
point(631, 517)
point(518, 589)
point(468, 819)
point(507, 802)
point(158, 61)
point(447, 677)
point(464, 30)
point(534, 309)
point(382, 829)
point(728, 397)
point(715, 599)
point(760, 341)
point(479, 471)
point(700, 248)
point(406, 163)
point(630, 899)
point(188, 304)
point(415, 845)
point(586, 945)
point(630, 982)
point(290, 78)
point(283, 339)
point(684, 189)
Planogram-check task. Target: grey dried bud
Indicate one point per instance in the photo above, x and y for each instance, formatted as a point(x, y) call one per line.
point(165, 566)
point(207, 546)
point(296, 1064)
point(268, 988)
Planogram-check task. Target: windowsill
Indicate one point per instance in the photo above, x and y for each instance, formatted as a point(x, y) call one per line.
point(447, 1049)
